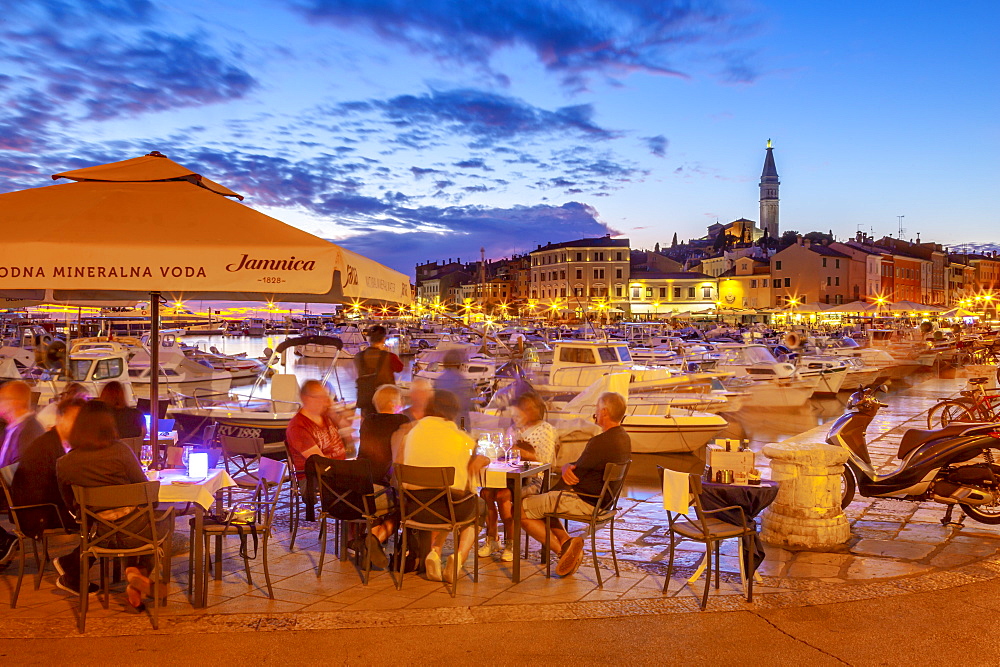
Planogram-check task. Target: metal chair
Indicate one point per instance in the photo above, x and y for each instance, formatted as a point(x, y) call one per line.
point(104, 537)
point(710, 532)
point(6, 481)
point(347, 495)
point(417, 513)
point(241, 458)
point(294, 499)
point(246, 518)
point(605, 511)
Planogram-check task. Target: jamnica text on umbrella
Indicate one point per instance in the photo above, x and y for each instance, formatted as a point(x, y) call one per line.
point(290, 264)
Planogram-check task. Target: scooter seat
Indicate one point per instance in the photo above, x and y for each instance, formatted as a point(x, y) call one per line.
point(915, 437)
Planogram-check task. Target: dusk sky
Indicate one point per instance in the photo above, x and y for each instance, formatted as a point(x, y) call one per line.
point(413, 130)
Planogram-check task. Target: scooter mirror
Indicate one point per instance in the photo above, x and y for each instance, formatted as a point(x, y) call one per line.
point(884, 388)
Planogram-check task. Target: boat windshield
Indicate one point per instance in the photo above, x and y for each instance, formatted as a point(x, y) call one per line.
point(758, 354)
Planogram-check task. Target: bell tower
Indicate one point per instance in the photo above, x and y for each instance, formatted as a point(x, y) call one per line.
point(769, 194)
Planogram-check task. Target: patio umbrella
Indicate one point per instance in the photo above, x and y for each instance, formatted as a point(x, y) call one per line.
point(812, 307)
point(853, 307)
point(910, 307)
point(958, 312)
point(147, 227)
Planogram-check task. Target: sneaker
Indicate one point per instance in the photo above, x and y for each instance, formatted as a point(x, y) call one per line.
point(508, 552)
point(8, 547)
point(449, 574)
point(376, 553)
point(63, 585)
point(432, 565)
point(571, 557)
point(490, 547)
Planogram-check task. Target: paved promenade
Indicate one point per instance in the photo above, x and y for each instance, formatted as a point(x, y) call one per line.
point(896, 549)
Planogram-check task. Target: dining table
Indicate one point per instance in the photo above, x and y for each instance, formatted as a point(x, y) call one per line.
point(201, 493)
point(496, 476)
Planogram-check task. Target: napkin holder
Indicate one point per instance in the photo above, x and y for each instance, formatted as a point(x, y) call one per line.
point(741, 463)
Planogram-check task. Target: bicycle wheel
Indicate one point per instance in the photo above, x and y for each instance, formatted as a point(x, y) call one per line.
point(947, 412)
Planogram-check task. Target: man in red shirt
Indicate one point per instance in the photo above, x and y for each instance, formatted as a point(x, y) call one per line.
point(314, 429)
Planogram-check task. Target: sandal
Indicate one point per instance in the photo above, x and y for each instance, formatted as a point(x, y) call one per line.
point(133, 600)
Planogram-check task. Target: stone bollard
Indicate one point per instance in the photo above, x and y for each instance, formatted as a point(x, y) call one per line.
point(806, 514)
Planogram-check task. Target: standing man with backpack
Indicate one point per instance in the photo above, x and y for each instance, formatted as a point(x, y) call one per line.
point(375, 366)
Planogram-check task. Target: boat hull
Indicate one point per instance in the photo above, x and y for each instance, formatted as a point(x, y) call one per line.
point(671, 435)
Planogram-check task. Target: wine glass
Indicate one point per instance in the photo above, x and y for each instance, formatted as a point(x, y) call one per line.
point(146, 456)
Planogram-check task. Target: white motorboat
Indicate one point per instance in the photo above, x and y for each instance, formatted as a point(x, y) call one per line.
point(775, 383)
point(93, 368)
point(177, 372)
point(474, 366)
point(352, 339)
point(239, 367)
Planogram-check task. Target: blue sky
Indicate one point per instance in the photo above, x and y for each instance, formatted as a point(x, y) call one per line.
point(413, 131)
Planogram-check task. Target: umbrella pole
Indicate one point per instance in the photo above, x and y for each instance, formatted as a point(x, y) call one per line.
point(154, 377)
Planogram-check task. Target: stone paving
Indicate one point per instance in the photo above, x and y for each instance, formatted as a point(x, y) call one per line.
point(896, 547)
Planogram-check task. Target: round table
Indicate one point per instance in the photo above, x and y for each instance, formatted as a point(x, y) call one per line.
point(752, 499)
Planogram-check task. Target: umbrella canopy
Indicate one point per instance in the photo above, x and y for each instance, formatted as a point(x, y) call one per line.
point(853, 307)
point(958, 312)
point(125, 229)
point(910, 307)
point(811, 307)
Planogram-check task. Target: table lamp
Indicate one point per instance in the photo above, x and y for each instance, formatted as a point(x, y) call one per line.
point(198, 464)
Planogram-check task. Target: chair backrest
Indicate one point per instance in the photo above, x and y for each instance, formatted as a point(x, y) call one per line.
point(433, 485)
point(6, 481)
point(345, 487)
point(676, 490)
point(241, 454)
point(614, 482)
point(272, 476)
point(208, 435)
point(98, 531)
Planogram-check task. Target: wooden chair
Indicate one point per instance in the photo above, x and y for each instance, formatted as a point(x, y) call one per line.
point(604, 513)
point(101, 538)
point(708, 530)
point(420, 514)
point(347, 495)
point(252, 518)
point(42, 559)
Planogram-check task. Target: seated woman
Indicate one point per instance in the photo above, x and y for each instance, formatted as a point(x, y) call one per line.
point(535, 439)
point(128, 420)
point(376, 446)
point(97, 458)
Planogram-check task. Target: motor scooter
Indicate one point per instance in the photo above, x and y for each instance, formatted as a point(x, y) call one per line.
point(953, 465)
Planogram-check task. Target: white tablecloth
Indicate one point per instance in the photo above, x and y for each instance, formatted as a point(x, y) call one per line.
point(202, 491)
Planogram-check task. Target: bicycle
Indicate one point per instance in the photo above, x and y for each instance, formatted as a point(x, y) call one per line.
point(978, 404)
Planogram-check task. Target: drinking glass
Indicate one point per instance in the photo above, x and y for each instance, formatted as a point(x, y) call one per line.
point(146, 456)
point(185, 457)
point(514, 456)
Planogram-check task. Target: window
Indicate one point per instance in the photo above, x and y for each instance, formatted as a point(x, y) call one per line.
point(765, 282)
point(579, 274)
point(562, 274)
point(824, 262)
point(618, 291)
point(836, 263)
point(598, 274)
point(663, 292)
point(618, 256)
point(618, 274)
point(598, 256)
point(829, 281)
point(690, 292)
point(677, 292)
point(753, 284)
point(579, 256)
point(636, 292)
point(836, 281)
point(706, 292)
point(788, 282)
point(562, 292)
point(577, 291)
point(777, 265)
point(607, 355)
point(649, 292)
point(576, 355)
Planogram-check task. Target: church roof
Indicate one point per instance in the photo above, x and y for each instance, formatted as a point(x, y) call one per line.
point(770, 172)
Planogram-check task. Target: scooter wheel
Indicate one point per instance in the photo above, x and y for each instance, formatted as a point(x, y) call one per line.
point(848, 486)
point(991, 516)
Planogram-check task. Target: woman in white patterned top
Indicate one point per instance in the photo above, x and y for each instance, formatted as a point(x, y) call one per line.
point(535, 438)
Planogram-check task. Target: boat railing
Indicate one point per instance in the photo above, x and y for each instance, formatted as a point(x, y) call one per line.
point(582, 376)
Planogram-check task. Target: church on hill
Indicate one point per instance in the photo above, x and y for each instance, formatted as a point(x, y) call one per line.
point(748, 231)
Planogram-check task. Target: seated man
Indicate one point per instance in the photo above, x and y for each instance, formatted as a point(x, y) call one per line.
point(436, 441)
point(376, 446)
point(585, 476)
point(315, 428)
point(35, 481)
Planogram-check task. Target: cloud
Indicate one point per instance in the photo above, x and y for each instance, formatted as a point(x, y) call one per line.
point(486, 117)
point(573, 39)
point(657, 145)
